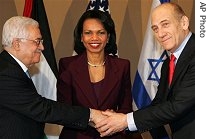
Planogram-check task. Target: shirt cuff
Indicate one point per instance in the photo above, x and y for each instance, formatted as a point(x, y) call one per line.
point(90, 118)
point(131, 123)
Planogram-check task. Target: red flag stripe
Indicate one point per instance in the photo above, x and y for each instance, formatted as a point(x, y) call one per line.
point(28, 8)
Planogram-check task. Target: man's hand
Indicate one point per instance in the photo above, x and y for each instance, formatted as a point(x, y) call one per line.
point(115, 122)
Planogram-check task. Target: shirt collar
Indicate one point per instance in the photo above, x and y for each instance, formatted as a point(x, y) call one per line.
point(178, 51)
point(20, 63)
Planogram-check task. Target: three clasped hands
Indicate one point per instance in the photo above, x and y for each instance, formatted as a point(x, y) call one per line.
point(108, 122)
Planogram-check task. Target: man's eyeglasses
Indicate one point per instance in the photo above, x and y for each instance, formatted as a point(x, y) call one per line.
point(36, 41)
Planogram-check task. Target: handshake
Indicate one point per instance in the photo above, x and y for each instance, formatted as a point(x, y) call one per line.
point(107, 122)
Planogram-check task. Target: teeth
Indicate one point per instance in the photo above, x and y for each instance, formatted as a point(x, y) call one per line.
point(95, 45)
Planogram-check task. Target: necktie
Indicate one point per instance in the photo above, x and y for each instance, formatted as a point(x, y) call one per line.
point(27, 73)
point(171, 68)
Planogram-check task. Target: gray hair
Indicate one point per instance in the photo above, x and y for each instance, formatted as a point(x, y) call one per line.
point(16, 27)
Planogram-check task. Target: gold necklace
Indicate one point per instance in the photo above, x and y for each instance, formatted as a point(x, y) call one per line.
point(92, 65)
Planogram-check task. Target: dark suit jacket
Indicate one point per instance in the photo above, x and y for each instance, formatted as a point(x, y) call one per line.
point(174, 105)
point(23, 112)
point(74, 87)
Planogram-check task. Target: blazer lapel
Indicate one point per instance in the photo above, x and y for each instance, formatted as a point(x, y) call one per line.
point(110, 80)
point(82, 79)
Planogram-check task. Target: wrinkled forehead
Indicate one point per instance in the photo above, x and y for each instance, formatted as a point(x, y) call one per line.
point(164, 12)
point(34, 31)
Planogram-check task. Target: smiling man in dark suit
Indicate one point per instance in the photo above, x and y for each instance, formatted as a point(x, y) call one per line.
point(23, 112)
point(174, 103)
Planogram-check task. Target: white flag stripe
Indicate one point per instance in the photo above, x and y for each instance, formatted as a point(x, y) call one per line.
point(149, 68)
point(150, 49)
point(44, 79)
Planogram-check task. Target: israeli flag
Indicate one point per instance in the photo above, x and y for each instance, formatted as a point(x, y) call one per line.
point(150, 62)
point(149, 67)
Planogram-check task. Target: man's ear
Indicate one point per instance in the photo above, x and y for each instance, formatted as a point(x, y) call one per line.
point(185, 22)
point(16, 44)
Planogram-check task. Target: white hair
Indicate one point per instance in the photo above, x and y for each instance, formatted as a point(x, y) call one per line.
point(16, 27)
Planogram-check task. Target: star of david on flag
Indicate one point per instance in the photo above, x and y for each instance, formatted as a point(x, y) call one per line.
point(155, 64)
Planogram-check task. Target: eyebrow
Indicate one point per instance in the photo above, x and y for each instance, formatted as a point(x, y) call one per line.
point(39, 38)
point(94, 30)
point(159, 23)
point(164, 20)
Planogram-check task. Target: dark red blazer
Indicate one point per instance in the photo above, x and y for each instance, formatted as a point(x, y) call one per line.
point(74, 87)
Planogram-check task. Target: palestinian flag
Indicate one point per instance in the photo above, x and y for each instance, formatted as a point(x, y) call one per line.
point(44, 74)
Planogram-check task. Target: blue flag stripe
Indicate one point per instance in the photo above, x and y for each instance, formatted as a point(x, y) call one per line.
point(162, 1)
point(139, 93)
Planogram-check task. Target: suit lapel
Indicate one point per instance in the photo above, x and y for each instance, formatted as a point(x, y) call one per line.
point(184, 58)
point(19, 71)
